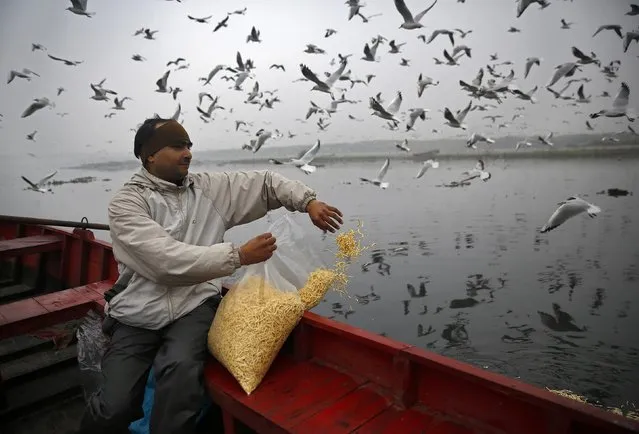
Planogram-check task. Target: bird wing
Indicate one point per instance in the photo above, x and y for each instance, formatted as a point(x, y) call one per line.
point(46, 178)
point(462, 115)
point(30, 183)
point(577, 53)
point(393, 107)
point(621, 100)
point(375, 105)
point(32, 109)
point(57, 58)
point(564, 212)
point(419, 16)
point(422, 170)
point(77, 4)
point(383, 170)
point(335, 75)
point(449, 116)
point(403, 11)
point(310, 75)
point(310, 154)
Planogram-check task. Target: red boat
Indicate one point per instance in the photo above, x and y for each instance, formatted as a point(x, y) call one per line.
point(328, 378)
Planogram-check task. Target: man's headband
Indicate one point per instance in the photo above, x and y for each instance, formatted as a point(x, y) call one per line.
point(169, 134)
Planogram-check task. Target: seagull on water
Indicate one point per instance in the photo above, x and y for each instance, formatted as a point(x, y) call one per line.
point(379, 179)
point(425, 165)
point(479, 171)
point(410, 22)
point(39, 186)
point(569, 208)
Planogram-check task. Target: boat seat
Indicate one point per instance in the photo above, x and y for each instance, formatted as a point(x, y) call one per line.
point(34, 313)
point(308, 397)
point(30, 245)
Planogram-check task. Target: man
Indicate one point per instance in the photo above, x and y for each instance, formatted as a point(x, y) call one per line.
point(167, 227)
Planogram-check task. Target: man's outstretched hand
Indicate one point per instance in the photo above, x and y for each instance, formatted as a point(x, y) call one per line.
point(324, 216)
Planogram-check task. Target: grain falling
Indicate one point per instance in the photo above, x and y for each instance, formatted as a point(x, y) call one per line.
point(250, 327)
point(316, 287)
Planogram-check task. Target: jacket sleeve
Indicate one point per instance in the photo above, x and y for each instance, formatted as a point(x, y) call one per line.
point(143, 245)
point(241, 197)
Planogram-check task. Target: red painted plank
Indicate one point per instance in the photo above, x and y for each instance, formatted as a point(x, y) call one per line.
point(315, 389)
point(30, 245)
point(456, 388)
point(394, 420)
point(61, 299)
point(447, 427)
point(354, 356)
point(96, 290)
point(22, 309)
point(346, 414)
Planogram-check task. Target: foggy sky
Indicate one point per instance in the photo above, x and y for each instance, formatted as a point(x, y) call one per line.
point(106, 43)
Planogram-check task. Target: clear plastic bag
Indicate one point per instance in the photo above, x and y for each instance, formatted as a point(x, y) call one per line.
point(256, 317)
point(92, 343)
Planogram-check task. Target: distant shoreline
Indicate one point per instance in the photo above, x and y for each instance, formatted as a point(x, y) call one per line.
point(535, 153)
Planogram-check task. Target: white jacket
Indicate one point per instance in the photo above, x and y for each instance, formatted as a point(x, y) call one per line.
point(168, 238)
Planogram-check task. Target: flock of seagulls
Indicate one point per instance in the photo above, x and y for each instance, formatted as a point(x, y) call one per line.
point(488, 84)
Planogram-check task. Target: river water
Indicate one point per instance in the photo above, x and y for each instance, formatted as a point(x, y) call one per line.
point(462, 271)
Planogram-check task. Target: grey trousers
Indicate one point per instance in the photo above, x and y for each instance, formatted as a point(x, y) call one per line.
point(177, 354)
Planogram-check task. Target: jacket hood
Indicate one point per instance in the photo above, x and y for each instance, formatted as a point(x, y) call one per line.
point(144, 178)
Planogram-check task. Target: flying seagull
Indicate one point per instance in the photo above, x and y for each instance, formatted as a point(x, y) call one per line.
point(425, 165)
point(38, 104)
point(569, 208)
point(379, 179)
point(79, 7)
point(39, 186)
point(410, 22)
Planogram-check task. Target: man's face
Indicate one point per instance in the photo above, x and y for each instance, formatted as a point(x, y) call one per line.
point(171, 163)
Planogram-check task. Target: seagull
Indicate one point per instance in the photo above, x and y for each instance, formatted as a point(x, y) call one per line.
point(411, 23)
point(388, 112)
point(522, 5)
point(38, 104)
point(39, 186)
point(423, 83)
point(138, 58)
point(634, 10)
point(619, 105)
point(425, 165)
point(630, 36)
point(569, 208)
point(161, 83)
point(256, 144)
point(254, 36)
point(65, 61)
point(546, 140)
point(477, 172)
point(370, 52)
point(403, 146)
point(590, 127)
point(329, 32)
point(38, 47)
point(203, 20)
point(13, 74)
point(304, 162)
point(442, 32)
point(580, 94)
point(148, 34)
point(323, 86)
point(413, 115)
point(277, 66)
point(526, 96)
point(457, 120)
point(221, 24)
point(176, 61)
point(584, 59)
point(614, 27)
point(529, 63)
point(566, 69)
point(476, 138)
point(565, 25)
point(379, 179)
point(79, 7)
point(522, 143)
point(100, 94)
point(395, 48)
point(32, 136)
point(119, 103)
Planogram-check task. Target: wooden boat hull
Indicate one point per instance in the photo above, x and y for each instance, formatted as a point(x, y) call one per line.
point(329, 377)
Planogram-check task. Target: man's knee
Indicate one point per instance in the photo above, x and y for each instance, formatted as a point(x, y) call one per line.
point(114, 410)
